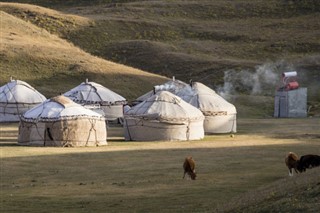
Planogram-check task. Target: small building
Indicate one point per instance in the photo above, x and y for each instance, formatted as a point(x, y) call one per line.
point(220, 115)
point(291, 103)
point(91, 94)
point(163, 117)
point(290, 100)
point(17, 97)
point(61, 122)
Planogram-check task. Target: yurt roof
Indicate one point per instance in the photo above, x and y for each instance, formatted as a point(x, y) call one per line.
point(94, 93)
point(58, 108)
point(206, 99)
point(17, 91)
point(167, 107)
point(172, 86)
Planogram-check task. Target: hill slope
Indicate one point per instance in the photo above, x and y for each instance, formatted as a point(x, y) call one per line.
point(53, 65)
point(232, 46)
point(202, 38)
point(300, 193)
point(218, 43)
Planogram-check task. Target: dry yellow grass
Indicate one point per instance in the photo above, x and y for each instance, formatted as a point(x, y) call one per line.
point(147, 176)
point(32, 54)
point(82, 21)
point(20, 37)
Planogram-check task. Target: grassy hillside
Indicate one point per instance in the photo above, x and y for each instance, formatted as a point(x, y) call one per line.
point(292, 194)
point(53, 65)
point(198, 40)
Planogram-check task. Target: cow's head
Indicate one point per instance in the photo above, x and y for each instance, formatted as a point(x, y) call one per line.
point(193, 176)
point(300, 166)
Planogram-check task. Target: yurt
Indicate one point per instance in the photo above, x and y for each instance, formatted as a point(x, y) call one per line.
point(220, 115)
point(172, 86)
point(90, 94)
point(17, 97)
point(163, 116)
point(61, 122)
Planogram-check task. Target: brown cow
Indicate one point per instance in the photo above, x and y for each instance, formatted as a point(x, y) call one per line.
point(291, 161)
point(189, 168)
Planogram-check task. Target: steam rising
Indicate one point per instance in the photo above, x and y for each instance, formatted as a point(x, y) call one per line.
point(263, 81)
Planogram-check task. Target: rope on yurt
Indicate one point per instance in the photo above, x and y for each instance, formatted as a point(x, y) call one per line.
point(67, 142)
point(92, 127)
point(5, 106)
point(128, 129)
point(93, 89)
point(20, 139)
point(96, 90)
point(45, 138)
point(86, 99)
point(16, 103)
point(188, 131)
point(95, 133)
point(36, 126)
point(48, 131)
point(40, 135)
point(39, 115)
point(233, 123)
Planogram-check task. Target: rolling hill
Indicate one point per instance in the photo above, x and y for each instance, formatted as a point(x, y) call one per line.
point(218, 43)
point(54, 65)
point(291, 194)
point(202, 40)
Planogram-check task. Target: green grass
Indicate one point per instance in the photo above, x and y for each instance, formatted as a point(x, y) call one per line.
point(147, 176)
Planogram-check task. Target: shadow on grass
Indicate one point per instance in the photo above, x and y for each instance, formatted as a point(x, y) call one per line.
point(146, 180)
point(8, 142)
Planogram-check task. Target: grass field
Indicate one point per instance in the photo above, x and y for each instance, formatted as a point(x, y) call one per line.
point(109, 42)
point(147, 176)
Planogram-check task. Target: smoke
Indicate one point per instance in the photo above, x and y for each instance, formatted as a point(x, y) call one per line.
point(262, 81)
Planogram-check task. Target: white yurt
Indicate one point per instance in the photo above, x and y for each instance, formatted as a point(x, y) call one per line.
point(61, 122)
point(163, 116)
point(91, 94)
point(17, 97)
point(220, 115)
point(173, 86)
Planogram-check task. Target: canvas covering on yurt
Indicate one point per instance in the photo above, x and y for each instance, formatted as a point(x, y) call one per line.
point(173, 86)
point(163, 116)
point(220, 115)
point(61, 122)
point(90, 94)
point(17, 97)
